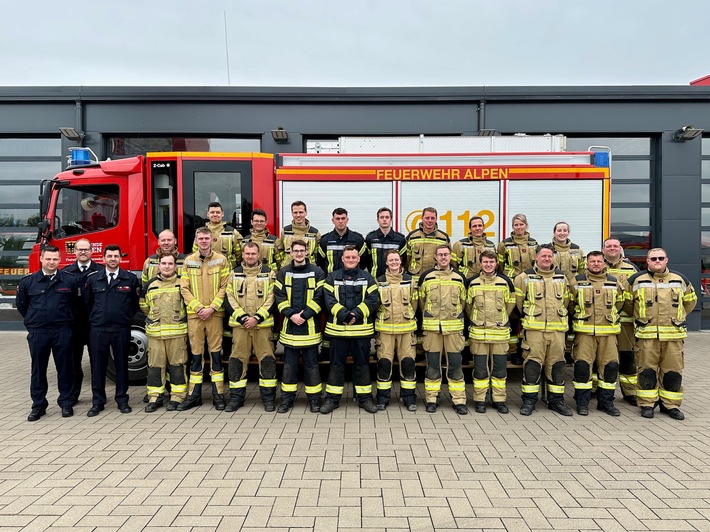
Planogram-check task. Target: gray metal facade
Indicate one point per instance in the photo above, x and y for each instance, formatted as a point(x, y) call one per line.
point(654, 112)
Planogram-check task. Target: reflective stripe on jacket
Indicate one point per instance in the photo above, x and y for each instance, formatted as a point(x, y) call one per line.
point(299, 289)
point(466, 254)
point(542, 298)
point(442, 298)
point(250, 293)
point(597, 299)
point(489, 301)
point(203, 282)
point(350, 294)
point(661, 304)
point(516, 254)
point(398, 297)
point(162, 303)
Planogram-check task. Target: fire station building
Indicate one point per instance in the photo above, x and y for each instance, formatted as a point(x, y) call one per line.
point(659, 138)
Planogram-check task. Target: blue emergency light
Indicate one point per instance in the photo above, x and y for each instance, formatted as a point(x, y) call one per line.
point(80, 156)
point(601, 159)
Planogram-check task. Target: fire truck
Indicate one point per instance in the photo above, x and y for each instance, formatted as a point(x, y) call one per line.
point(129, 201)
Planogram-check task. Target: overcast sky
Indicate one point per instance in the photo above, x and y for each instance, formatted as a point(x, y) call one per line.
point(354, 42)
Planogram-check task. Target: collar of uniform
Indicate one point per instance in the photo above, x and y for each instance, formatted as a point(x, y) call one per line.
point(214, 227)
point(433, 232)
point(304, 225)
point(596, 276)
point(659, 275)
point(521, 239)
point(562, 247)
point(393, 277)
point(544, 273)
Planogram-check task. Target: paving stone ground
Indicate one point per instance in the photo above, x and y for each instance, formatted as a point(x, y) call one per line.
point(395, 470)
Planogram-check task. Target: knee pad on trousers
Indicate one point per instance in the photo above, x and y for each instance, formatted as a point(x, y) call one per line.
point(581, 371)
point(236, 368)
point(454, 370)
point(672, 381)
point(558, 372)
point(647, 379)
point(196, 363)
point(626, 363)
point(177, 374)
point(480, 367)
point(433, 366)
point(500, 366)
point(532, 371)
point(155, 377)
point(409, 369)
point(268, 367)
point(611, 372)
point(384, 369)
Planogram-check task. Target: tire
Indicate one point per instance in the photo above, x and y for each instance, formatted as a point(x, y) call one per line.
point(138, 355)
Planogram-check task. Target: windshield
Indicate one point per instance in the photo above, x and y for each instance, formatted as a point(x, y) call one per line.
point(85, 209)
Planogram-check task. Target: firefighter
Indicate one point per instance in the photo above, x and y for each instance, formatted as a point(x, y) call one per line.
point(203, 283)
point(542, 298)
point(569, 258)
point(662, 300)
point(166, 327)
point(490, 299)
point(80, 269)
point(250, 297)
point(260, 235)
point(226, 240)
point(112, 297)
point(442, 298)
point(167, 243)
point(299, 229)
point(467, 252)
point(422, 243)
point(383, 239)
point(515, 255)
point(48, 300)
point(622, 269)
point(350, 295)
point(597, 298)
point(298, 292)
point(395, 326)
point(332, 245)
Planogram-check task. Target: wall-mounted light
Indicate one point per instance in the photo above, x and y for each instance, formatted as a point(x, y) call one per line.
point(71, 134)
point(279, 135)
point(687, 133)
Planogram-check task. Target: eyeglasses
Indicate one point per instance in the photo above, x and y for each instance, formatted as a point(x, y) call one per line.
point(657, 259)
point(443, 254)
point(82, 250)
point(298, 251)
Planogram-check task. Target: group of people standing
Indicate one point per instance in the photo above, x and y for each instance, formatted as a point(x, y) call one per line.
point(337, 291)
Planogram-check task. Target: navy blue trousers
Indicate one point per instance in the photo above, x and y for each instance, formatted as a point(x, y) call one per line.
point(101, 343)
point(56, 341)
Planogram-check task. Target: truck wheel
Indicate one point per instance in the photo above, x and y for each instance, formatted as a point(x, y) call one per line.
point(137, 356)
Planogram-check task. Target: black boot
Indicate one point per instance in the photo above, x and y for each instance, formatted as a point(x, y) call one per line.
point(605, 402)
point(217, 399)
point(194, 397)
point(236, 400)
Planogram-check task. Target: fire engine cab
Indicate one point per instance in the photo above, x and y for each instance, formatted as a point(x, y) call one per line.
point(130, 201)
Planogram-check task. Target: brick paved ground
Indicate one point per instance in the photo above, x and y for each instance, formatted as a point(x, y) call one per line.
point(249, 470)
